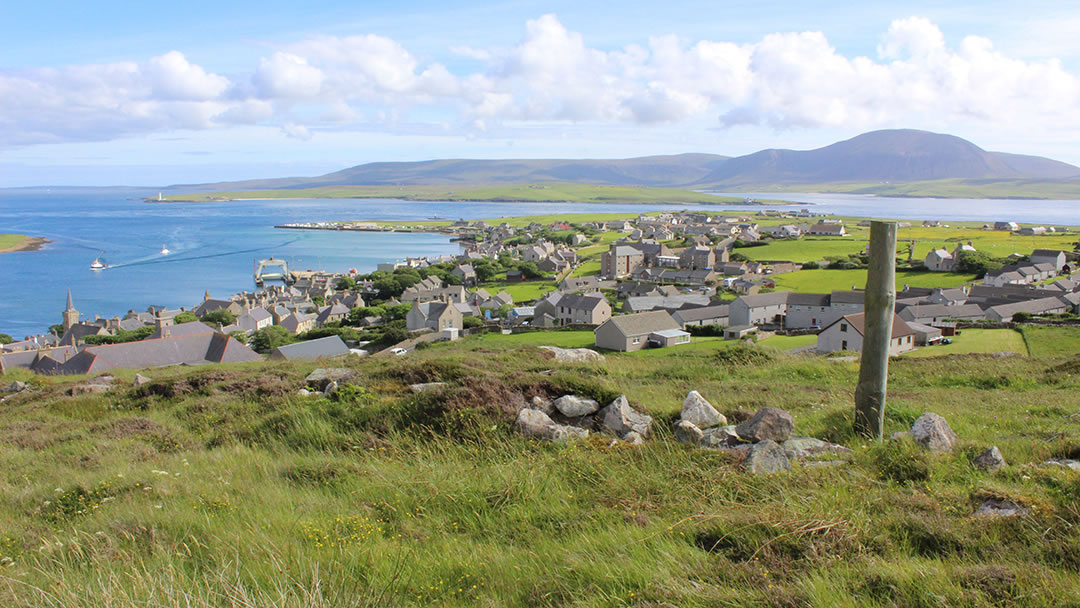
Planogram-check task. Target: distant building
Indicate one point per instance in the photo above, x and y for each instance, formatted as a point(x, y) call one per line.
point(847, 332)
point(629, 333)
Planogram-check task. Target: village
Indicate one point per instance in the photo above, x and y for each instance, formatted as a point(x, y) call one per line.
point(658, 280)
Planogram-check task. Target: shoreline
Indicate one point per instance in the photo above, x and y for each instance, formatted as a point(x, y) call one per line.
point(755, 203)
point(30, 243)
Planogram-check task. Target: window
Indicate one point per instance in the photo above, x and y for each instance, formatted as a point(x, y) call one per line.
point(843, 345)
point(636, 341)
point(843, 327)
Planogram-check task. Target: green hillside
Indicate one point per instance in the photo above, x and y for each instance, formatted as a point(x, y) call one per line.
point(222, 487)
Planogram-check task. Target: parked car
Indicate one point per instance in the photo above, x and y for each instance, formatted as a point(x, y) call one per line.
point(399, 351)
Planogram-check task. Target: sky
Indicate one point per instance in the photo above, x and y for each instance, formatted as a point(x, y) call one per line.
point(152, 94)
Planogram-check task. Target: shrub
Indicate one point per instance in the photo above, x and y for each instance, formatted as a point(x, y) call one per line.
point(901, 461)
point(743, 354)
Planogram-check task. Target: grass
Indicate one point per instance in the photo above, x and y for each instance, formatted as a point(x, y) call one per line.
point(824, 280)
point(1044, 341)
point(555, 192)
point(220, 487)
point(9, 241)
point(945, 188)
point(977, 341)
point(522, 291)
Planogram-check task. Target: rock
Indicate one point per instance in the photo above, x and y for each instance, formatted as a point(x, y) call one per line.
point(304, 392)
point(993, 507)
point(15, 387)
point(543, 404)
point(573, 406)
point(573, 355)
point(330, 389)
point(81, 389)
point(697, 410)
point(534, 423)
point(319, 378)
point(990, 460)
point(426, 386)
point(801, 448)
point(933, 433)
point(106, 379)
point(688, 432)
point(768, 423)
point(765, 458)
point(720, 437)
point(619, 418)
point(900, 436)
point(1068, 464)
point(141, 380)
point(633, 438)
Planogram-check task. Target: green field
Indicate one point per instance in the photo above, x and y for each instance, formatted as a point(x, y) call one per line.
point(824, 280)
point(976, 341)
point(218, 486)
point(11, 240)
point(945, 188)
point(1043, 341)
point(555, 192)
point(522, 291)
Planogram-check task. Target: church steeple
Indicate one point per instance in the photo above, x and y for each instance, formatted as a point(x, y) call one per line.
point(207, 295)
point(70, 315)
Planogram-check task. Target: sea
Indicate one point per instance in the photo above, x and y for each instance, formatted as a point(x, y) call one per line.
point(213, 246)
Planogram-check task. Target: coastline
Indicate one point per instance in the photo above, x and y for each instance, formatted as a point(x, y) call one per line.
point(30, 243)
point(756, 203)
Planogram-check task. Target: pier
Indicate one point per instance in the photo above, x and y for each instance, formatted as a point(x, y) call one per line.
point(273, 269)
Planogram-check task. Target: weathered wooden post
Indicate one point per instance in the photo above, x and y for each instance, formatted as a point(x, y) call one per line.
point(879, 310)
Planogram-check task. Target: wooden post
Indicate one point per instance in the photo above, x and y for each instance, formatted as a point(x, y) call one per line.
point(879, 310)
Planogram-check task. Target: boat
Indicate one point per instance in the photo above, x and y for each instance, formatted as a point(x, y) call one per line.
point(97, 265)
point(164, 250)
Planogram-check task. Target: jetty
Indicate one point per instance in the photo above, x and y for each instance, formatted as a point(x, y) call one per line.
point(273, 269)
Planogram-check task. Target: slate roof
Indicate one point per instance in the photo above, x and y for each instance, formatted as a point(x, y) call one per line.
point(857, 322)
point(330, 346)
point(643, 323)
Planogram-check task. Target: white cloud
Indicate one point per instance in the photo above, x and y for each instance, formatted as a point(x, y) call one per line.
point(552, 75)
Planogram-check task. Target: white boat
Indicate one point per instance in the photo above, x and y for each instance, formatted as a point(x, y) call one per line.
point(164, 250)
point(96, 265)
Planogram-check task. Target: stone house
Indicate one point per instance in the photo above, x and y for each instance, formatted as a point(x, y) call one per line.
point(628, 333)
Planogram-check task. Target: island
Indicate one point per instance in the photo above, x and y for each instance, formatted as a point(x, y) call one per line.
point(10, 243)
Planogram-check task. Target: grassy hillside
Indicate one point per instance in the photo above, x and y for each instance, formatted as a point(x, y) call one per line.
point(7, 241)
point(221, 487)
point(941, 188)
point(534, 193)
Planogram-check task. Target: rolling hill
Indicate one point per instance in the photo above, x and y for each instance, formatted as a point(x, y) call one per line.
point(871, 162)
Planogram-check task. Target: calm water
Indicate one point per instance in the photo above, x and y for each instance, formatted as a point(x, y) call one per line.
point(214, 245)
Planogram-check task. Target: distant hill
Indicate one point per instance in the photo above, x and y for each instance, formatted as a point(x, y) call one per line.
point(885, 156)
point(871, 159)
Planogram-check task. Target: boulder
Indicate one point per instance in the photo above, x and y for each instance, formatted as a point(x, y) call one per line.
point(990, 460)
point(697, 410)
point(801, 448)
point(81, 389)
point(933, 433)
point(573, 355)
point(768, 423)
point(534, 423)
point(619, 418)
point(424, 387)
point(304, 392)
point(688, 432)
point(633, 438)
point(573, 406)
point(15, 387)
point(765, 458)
point(993, 507)
point(319, 378)
point(330, 389)
point(543, 404)
point(141, 380)
point(720, 437)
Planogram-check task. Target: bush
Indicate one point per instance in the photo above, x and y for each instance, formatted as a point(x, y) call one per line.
point(901, 461)
point(269, 338)
point(471, 322)
point(5, 339)
point(220, 316)
point(811, 266)
point(705, 330)
point(743, 354)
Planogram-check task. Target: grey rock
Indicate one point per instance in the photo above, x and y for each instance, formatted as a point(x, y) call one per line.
point(765, 458)
point(82, 389)
point(801, 448)
point(565, 432)
point(768, 423)
point(424, 387)
point(330, 389)
point(688, 432)
point(319, 378)
point(993, 507)
point(1068, 464)
point(900, 436)
point(698, 410)
point(573, 355)
point(543, 404)
point(141, 380)
point(534, 423)
point(990, 460)
point(573, 406)
point(304, 392)
point(720, 437)
point(633, 438)
point(933, 433)
point(16, 387)
point(619, 418)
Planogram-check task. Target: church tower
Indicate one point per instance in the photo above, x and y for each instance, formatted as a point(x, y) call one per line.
point(71, 316)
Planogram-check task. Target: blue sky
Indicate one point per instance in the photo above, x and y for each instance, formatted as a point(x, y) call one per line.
point(152, 94)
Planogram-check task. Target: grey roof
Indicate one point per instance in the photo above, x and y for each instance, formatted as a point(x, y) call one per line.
point(183, 329)
point(1030, 306)
point(330, 346)
point(765, 299)
point(670, 333)
point(858, 322)
point(576, 302)
point(189, 350)
point(643, 323)
point(930, 311)
point(686, 315)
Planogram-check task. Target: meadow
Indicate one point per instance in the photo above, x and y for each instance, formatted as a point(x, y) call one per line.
point(824, 280)
point(221, 487)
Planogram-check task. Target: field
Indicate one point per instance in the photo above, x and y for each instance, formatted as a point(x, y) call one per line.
point(824, 280)
point(945, 188)
point(1045, 341)
point(221, 487)
point(978, 341)
point(522, 291)
point(534, 193)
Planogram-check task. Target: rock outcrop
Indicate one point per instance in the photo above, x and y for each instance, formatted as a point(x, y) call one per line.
point(573, 406)
point(933, 433)
point(619, 418)
point(573, 355)
point(769, 423)
point(990, 460)
point(700, 412)
point(323, 376)
point(766, 458)
point(534, 423)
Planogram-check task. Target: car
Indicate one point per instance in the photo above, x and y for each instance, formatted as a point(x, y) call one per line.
point(946, 341)
point(399, 351)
